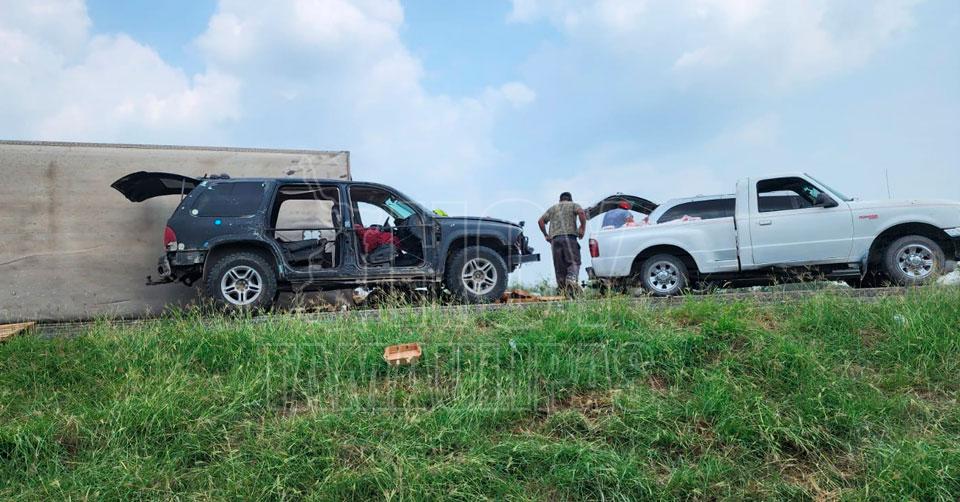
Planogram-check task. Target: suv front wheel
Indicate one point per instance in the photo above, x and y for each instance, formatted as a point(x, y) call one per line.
point(242, 280)
point(476, 274)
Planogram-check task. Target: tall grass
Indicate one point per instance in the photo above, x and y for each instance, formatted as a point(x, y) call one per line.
point(824, 397)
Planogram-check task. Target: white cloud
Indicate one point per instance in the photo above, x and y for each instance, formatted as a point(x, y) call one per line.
point(763, 131)
point(780, 42)
point(339, 69)
point(58, 81)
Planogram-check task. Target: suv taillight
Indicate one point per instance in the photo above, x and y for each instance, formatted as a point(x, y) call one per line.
point(169, 239)
point(594, 248)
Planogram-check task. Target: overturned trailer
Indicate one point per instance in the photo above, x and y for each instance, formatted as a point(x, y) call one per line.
point(73, 248)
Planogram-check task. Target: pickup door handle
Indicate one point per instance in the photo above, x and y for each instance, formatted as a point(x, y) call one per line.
point(764, 223)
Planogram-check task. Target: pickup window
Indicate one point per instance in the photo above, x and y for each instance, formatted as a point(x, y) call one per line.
point(784, 194)
point(703, 209)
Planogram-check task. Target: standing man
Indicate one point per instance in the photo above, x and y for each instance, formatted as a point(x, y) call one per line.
point(563, 236)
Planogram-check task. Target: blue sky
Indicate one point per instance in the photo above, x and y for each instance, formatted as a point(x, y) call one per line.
point(494, 107)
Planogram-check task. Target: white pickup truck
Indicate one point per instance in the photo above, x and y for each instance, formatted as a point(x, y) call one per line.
point(774, 229)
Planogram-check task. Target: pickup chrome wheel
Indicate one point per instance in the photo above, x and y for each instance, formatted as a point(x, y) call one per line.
point(663, 275)
point(476, 274)
point(913, 260)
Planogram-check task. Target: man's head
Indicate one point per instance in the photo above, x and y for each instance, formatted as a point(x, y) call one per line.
point(624, 205)
point(565, 196)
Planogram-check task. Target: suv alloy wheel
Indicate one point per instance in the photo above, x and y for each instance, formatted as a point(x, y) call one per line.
point(241, 280)
point(476, 274)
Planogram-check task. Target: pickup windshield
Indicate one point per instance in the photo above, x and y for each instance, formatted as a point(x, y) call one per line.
point(832, 190)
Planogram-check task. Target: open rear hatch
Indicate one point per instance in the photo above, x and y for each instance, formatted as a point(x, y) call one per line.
point(637, 204)
point(142, 185)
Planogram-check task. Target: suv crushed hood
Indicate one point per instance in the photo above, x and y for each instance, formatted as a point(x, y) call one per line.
point(638, 204)
point(476, 220)
point(143, 185)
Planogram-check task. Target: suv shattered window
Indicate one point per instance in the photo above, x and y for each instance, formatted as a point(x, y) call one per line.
point(229, 200)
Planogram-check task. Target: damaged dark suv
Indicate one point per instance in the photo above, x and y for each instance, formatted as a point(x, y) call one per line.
point(244, 240)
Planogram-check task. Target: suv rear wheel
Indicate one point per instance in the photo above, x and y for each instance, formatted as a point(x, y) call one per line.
point(476, 274)
point(242, 280)
point(663, 275)
point(913, 260)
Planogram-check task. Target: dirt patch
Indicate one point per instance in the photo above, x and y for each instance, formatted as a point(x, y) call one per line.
point(810, 481)
point(818, 479)
point(869, 337)
point(768, 321)
point(69, 439)
point(290, 409)
point(658, 384)
point(351, 456)
point(590, 404)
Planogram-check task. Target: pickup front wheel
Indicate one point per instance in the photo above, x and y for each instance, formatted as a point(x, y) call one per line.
point(476, 274)
point(663, 275)
point(913, 260)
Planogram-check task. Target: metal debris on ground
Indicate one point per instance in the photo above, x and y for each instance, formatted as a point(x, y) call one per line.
point(404, 353)
point(523, 296)
point(9, 330)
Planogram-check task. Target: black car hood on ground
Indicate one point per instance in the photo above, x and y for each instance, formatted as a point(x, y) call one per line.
point(638, 204)
point(143, 185)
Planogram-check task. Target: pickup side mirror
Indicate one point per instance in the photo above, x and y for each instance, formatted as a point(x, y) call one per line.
point(824, 201)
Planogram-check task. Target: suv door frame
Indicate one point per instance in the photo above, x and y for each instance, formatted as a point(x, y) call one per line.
point(429, 245)
point(306, 276)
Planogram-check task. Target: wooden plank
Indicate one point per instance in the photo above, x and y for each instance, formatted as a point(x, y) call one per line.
point(9, 330)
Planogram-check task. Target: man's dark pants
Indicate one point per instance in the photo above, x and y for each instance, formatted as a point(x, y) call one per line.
point(566, 260)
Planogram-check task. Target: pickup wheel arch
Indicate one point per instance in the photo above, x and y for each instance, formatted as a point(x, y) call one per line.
point(677, 251)
point(888, 236)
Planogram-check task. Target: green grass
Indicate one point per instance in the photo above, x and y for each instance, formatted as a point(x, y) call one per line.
point(822, 398)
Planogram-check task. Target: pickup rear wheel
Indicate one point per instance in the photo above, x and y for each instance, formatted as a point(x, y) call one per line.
point(913, 260)
point(242, 280)
point(663, 275)
point(476, 274)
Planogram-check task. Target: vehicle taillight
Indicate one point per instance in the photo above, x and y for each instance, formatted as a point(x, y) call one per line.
point(594, 248)
point(169, 239)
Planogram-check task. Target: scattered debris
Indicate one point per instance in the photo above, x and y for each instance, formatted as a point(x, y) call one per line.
point(523, 296)
point(9, 330)
point(405, 353)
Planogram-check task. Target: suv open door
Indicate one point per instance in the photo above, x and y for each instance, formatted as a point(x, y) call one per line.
point(143, 185)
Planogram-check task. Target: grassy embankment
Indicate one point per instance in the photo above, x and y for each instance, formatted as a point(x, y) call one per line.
point(820, 398)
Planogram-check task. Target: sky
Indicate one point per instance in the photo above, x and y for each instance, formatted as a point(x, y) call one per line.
point(494, 107)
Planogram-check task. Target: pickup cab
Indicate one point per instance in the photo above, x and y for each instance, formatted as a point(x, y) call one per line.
point(774, 229)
